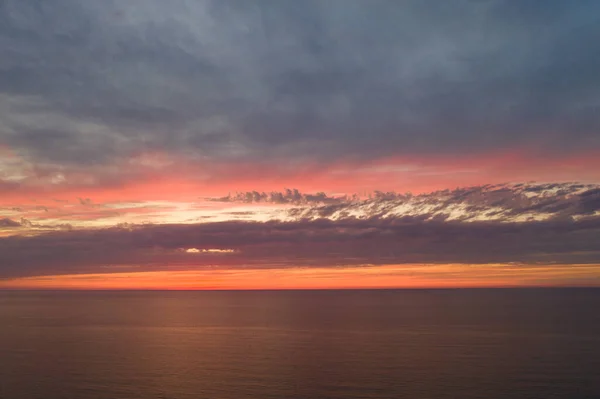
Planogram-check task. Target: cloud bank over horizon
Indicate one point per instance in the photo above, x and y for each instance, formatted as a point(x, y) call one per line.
point(524, 224)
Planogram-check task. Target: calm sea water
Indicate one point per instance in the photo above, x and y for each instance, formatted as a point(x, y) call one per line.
point(532, 343)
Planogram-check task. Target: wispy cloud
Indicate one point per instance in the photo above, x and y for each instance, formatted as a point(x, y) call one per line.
point(504, 203)
point(289, 196)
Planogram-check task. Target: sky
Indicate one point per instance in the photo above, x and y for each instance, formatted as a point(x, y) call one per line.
point(246, 144)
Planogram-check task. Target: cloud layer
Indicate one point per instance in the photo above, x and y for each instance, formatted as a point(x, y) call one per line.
point(85, 83)
point(547, 224)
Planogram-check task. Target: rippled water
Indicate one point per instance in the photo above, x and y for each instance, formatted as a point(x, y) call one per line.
point(537, 343)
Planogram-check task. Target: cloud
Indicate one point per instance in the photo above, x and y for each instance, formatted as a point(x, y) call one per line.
point(524, 223)
point(88, 83)
point(502, 202)
point(308, 243)
point(6, 222)
point(289, 196)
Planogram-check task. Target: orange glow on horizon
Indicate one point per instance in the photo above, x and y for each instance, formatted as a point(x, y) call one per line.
point(389, 276)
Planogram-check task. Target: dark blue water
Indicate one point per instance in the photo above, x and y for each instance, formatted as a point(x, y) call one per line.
point(536, 343)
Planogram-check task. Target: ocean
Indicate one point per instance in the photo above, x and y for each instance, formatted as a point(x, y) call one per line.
point(459, 344)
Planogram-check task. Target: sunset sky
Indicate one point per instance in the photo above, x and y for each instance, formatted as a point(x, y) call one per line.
point(151, 144)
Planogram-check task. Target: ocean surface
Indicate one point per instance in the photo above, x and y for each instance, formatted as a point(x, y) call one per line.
point(501, 343)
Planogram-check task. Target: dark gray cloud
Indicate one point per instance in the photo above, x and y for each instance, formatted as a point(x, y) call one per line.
point(86, 82)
